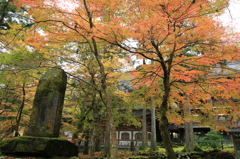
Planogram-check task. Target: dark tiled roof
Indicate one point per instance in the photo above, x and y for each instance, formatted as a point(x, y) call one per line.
point(234, 130)
point(172, 126)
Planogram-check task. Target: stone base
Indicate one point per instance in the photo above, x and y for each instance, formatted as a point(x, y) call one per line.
point(38, 146)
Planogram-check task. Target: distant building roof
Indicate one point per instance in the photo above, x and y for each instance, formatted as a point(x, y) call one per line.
point(234, 130)
point(172, 126)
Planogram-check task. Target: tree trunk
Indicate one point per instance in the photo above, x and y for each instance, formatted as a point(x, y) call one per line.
point(86, 143)
point(144, 129)
point(153, 127)
point(163, 125)
point(114, 142)
point(91, 144)
point(189, 137)
point(107, 140)
point(19, 116)
point(111, 143)
point(97, 137)
point(110, 149)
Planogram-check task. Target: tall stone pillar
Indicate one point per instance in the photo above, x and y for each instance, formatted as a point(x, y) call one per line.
point(45, 120)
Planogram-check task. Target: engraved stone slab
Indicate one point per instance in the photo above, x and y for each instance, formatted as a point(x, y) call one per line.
point(45, 120)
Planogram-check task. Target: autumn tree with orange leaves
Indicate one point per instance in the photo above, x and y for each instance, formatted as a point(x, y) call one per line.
point(68, 35)
point(19, 71)
point(183, 40)
point(186, 44)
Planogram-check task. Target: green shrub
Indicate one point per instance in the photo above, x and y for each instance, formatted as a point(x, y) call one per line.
point(212, 140)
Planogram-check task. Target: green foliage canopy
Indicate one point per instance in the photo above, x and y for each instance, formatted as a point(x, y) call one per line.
point(212, 140)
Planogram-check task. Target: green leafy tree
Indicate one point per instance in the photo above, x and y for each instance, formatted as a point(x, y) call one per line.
point(19, 70)
point(212, 140)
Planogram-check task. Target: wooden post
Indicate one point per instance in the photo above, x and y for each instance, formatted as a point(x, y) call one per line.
point(131, 143)
point(118, 136)
point(236, 143)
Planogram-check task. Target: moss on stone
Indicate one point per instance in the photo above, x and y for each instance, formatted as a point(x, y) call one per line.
point(52, 81)
point(46, 115)
point(38, 146)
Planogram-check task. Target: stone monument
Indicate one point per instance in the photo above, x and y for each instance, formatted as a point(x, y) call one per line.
point(45, 120)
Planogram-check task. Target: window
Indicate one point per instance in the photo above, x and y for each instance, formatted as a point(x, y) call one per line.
point(138, 136)
point(125, 136)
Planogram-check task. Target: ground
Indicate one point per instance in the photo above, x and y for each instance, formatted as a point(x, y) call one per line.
point(124, 155)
